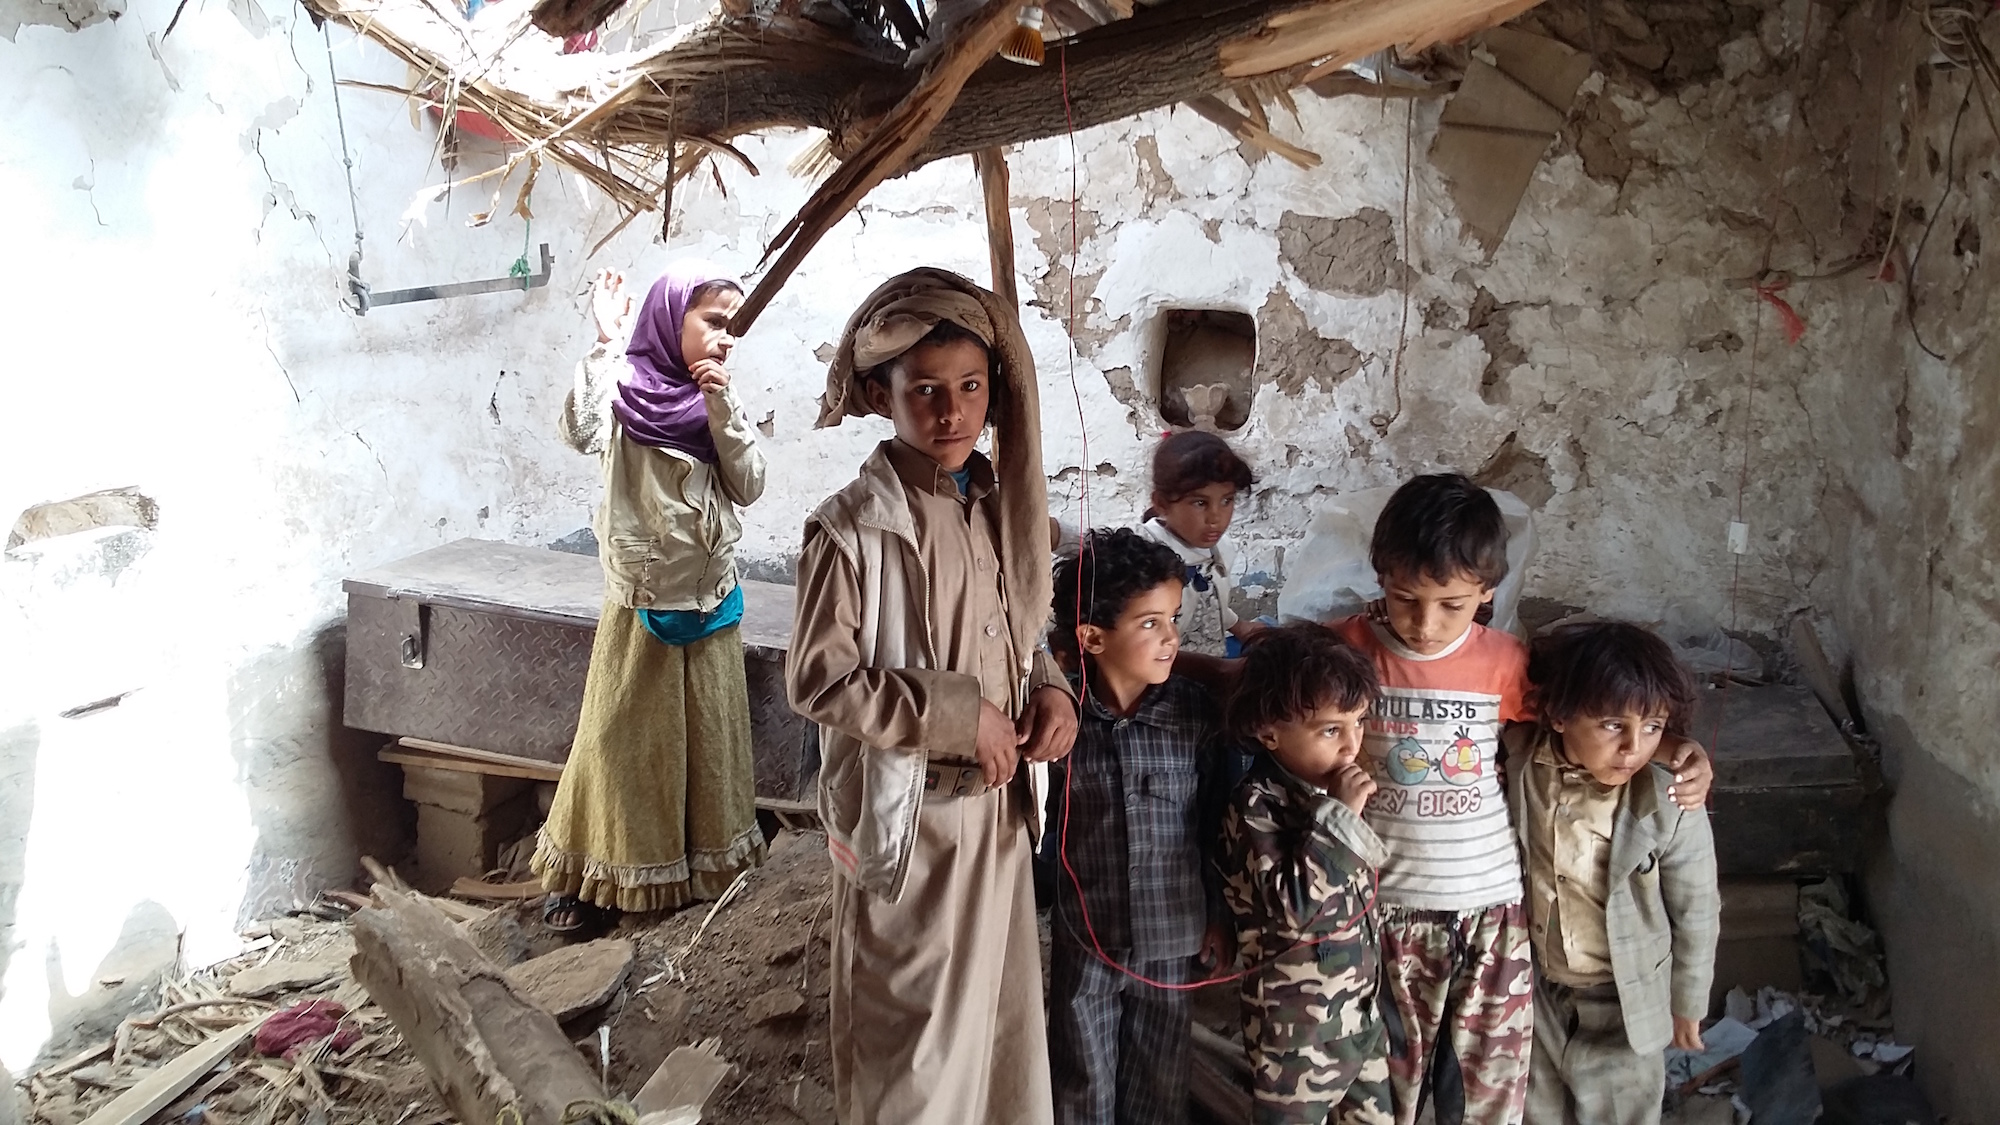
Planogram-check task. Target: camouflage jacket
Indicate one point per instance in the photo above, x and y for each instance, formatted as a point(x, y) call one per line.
point(1298, 873)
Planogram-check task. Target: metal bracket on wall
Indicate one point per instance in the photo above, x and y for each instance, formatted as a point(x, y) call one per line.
point(365, 298)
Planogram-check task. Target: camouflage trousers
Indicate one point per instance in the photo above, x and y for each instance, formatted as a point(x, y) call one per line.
point(1464, 986)
point(1342, 1082)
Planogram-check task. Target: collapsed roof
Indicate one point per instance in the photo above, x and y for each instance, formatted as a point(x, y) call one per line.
point(894, 84)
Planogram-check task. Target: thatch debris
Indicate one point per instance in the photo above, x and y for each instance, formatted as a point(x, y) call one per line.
point(893, 84)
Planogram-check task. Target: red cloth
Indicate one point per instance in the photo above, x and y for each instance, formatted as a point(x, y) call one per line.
point(302, 1025)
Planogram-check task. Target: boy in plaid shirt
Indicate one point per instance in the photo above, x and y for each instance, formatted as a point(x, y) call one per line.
point(1143, 791)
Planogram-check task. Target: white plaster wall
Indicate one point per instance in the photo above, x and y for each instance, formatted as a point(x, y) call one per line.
point(179, 238)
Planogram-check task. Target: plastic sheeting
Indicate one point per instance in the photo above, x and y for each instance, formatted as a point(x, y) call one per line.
point(1327, 576)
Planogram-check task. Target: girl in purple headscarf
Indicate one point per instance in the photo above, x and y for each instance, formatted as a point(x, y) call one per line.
point(657, 804)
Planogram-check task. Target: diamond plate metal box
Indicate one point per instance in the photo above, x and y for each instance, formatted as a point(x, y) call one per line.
point(485, 645)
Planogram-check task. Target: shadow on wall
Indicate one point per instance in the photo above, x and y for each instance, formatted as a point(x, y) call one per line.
point(318, 797)
point(148, 949)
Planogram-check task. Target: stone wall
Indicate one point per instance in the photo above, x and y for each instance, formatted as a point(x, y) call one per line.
point(183, 227)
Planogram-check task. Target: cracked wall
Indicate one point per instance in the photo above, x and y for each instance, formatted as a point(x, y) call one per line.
point(1598, 363)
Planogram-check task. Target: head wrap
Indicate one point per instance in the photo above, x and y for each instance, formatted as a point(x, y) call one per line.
point(658, 400)
point(890, 322)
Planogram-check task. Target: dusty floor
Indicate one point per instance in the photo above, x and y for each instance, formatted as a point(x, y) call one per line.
point(755, 978)
point(751, 973)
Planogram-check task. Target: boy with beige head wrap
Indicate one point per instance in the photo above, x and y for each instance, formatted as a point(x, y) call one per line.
point(923, 591)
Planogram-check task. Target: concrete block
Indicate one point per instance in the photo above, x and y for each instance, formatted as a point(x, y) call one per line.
point(451, 844)
point(460, 791)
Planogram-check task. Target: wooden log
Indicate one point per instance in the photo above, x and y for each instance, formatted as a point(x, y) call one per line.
point(485, 1046)
point(992, 166)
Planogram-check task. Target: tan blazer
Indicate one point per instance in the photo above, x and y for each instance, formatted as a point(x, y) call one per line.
point(667, 528)
point(1663, 912)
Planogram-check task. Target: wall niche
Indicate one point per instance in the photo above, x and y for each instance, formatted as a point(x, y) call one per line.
point(1207, 358)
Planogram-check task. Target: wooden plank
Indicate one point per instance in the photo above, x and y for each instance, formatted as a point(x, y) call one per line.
point(162, 1086)
point(444, 756)
point(485, 1046)
point(684, 1082)
point(497, 892)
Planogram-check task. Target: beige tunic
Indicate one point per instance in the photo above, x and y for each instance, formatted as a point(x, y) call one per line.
point(937, 708)
point(936, 997)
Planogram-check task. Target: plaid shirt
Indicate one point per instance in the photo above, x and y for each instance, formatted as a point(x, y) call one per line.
point(1144, 796)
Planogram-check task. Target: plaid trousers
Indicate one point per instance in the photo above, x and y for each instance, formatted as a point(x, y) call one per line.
point(1118, 1048)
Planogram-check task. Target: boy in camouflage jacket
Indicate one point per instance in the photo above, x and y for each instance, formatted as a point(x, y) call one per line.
point(1298, 866)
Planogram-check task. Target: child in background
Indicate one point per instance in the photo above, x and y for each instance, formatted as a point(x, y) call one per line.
point(1143, 791)
point(1196, 481)
point(1617, 875)
point(1455, 932)
point(1299, 874)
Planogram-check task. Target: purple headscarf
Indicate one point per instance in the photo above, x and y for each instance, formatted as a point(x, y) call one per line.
point(658, 401)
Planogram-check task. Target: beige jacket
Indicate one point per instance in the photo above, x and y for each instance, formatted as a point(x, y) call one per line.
point(667, 529)
point(1663, 911)
point(870, 795)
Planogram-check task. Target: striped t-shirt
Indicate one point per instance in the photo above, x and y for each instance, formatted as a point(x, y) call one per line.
point(1431, 744)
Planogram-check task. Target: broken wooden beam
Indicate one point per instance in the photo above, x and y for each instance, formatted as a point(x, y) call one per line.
point(1250, 132)
point(486, 1047)
point(992, 166)
point(885, 153)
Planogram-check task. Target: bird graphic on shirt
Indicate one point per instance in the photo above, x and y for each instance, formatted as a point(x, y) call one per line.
point(1407, 763)
point(1460, 762)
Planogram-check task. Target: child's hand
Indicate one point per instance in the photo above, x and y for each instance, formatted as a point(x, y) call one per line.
point(709, 375)
point(1218, 949)
point(998, 747)
point(609, 304)
point(1687, 1034)
point(1694, 773)
point(1047, 728)
point(1351, 785)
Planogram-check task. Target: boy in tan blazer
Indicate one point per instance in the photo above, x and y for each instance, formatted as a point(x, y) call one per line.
point(1622, 895)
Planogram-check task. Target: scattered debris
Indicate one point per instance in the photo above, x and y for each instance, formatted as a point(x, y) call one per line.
point(680, 1089)
point(773, 1007)
point(304, 1024)
point(281, 976)
point(152, 1093)
point(574, 980)
point(1778, 1083)
point(1846, 952)
point(486, 1045)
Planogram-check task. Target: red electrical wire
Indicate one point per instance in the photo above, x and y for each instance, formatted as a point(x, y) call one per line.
point(1083, 671)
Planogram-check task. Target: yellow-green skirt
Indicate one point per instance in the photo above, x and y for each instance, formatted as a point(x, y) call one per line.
point(657, 806)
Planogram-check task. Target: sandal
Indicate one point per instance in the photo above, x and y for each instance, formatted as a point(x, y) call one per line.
point(576, 908)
